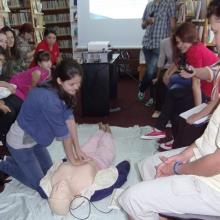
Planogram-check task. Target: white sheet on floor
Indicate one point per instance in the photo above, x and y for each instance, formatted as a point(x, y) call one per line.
point(19, 202)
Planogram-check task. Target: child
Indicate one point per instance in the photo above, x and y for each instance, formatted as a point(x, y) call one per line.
point(24, 82)
point(45, 114)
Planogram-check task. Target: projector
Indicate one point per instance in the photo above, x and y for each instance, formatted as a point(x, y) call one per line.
point(98, 46)
point(97, 56)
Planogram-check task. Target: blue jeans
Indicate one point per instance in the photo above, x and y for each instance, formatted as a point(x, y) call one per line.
point(28, 165)
point(151, 58)
point(176, 81)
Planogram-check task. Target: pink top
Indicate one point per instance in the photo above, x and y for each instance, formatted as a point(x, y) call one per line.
point(198, 56)
point(23, 80)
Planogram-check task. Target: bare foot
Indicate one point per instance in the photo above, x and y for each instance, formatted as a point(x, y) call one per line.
point(130, 218)
point(101, 126)
point(108, 129)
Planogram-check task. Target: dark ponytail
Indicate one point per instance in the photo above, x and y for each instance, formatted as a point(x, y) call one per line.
point(65, 70)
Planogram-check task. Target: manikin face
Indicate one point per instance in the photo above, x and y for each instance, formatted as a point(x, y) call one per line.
point(215, 26)
point(10, 39)
point(182, 46)
point(51, 39)
point(71, 86)
point(3, 40)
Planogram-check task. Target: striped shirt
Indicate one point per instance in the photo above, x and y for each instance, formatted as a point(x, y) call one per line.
point(215, 78)
point(161, 28)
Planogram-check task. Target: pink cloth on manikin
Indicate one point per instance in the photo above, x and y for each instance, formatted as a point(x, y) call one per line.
point(100, 147)
point(23, 80)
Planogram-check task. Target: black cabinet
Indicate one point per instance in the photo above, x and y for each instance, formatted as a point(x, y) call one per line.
point(95, 89)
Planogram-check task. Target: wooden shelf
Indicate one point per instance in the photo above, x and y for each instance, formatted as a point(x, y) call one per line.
point(17, 26)
point(66, 49)
point(210, 45)
point(67, 23)
point(4, 12)
point(19, 8)
point(202, 21)
point(55, 11)
point(64, 37)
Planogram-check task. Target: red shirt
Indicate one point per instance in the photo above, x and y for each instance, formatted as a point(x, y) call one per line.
point(198, 56)
point(54, 52)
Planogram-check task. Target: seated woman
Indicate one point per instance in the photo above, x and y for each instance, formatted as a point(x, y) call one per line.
point(3, 40)
point(14, 62)
point(49, 44)
point(182, 99)
point(26, 50)
point(164, 64)
point(20, 85)
point(64, 181)
point(187, 131)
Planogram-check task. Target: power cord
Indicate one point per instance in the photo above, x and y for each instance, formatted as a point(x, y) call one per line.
point(90, 206)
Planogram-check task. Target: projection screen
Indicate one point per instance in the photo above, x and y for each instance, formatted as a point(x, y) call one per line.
point(117, 21)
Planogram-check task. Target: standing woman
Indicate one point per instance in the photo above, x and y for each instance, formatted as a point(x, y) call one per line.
point(46, 114)
point(179, 99)
point(49, 44)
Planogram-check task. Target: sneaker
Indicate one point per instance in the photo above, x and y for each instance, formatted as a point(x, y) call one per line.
point(116, 109)
point(154, 134)
point(168, 125)
point(156, 114)
point(167, 146)
point(141, 96)
point(149, 102)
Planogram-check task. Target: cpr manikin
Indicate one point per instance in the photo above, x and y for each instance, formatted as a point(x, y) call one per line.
point(64, 181)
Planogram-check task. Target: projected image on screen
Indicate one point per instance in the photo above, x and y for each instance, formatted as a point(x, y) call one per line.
point(116, 9)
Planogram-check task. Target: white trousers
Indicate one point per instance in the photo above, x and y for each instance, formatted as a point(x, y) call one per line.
point(179, 194)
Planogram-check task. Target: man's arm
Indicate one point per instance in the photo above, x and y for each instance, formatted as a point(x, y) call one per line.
point(173, 24)
point(146, 22)
point(196, 89)
point(172, 69)
point(206, 111)
point(208, 165)
point(200, 73)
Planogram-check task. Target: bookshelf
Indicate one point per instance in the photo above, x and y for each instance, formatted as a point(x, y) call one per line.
point(4, 13)
point(17, 12)
point(57, 15)
point(195, 11)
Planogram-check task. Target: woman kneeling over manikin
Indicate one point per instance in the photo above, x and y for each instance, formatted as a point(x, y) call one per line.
point(95, 180)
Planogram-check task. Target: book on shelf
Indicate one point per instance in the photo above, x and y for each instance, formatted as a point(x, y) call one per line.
point(200, 30)
point(20, 18)
point(210, 36)
point(50, 5)
point(197, 7)
point(5, 7)
point(190, 10)
point(38, 6)
point(57, 18)
point(181, 12)
point(19, 3)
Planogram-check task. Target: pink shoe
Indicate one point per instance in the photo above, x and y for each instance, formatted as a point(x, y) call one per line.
point(167, 146)
point(154, 134)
